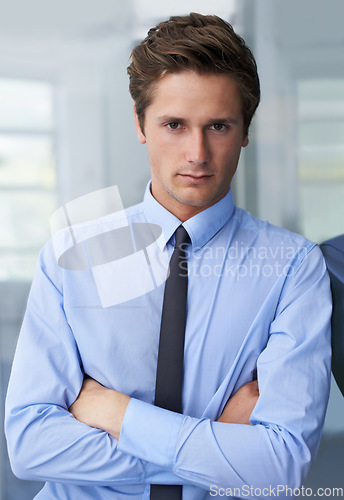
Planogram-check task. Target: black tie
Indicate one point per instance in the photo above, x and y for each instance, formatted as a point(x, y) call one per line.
point(169, 378)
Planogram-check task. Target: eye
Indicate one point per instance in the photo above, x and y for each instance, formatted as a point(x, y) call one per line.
point(173, 125)
point(218, 127)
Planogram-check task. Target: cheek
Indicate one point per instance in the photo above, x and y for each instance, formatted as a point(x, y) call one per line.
point(157, 163)
point(227, 163)
point(162, 155)
point(232, 152)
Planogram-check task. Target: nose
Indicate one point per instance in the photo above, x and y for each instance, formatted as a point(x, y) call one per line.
point(197, 148)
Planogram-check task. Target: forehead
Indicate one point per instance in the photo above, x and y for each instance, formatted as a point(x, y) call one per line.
point(188, 91)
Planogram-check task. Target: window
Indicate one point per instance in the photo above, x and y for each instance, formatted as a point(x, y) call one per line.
point(27, 174)
point(321, 157)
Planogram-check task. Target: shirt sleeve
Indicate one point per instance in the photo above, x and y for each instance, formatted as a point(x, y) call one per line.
point(45, 442)
point(294, 379)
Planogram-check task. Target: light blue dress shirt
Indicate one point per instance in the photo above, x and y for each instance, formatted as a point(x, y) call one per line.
point(259, 306)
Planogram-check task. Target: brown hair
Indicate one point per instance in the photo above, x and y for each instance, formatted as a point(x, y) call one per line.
point(205, 44)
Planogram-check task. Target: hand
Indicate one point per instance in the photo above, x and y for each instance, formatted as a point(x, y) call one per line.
point(239, 407)
point(100, 407)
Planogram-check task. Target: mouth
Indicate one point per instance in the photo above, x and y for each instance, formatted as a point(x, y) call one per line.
point(196, 179)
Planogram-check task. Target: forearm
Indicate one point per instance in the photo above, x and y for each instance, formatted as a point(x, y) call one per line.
point(56, 448)
point(205, 453)
point(46, 444)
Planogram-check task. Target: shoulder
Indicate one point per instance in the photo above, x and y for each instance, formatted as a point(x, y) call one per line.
point(71, 245)
point(268, 233)
point(275, 243)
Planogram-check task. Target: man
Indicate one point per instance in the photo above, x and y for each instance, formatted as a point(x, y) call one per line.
point(258, 308)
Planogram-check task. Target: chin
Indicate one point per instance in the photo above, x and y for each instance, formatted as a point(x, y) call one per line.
point(199, 199)
point(197, 202)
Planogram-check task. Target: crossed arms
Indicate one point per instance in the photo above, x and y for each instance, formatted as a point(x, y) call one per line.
point(105, 408)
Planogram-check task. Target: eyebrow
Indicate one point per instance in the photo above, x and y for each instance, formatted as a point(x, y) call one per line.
point(171, 118)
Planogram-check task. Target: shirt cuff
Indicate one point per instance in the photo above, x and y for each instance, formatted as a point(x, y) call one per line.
point(150, 433)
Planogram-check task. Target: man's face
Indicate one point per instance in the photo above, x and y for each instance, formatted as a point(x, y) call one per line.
point(194, 133)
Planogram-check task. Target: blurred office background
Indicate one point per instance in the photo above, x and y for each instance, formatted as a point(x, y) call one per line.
point(66, 129)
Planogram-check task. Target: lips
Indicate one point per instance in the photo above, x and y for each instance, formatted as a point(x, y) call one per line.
point(196, 178)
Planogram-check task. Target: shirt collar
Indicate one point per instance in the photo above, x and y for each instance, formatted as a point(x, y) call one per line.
point(201, 228)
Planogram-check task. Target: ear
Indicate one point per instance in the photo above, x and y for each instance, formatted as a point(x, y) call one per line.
point(139, 132)
point(245, 142)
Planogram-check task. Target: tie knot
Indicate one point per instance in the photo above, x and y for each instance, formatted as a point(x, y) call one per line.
point(182, 237)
